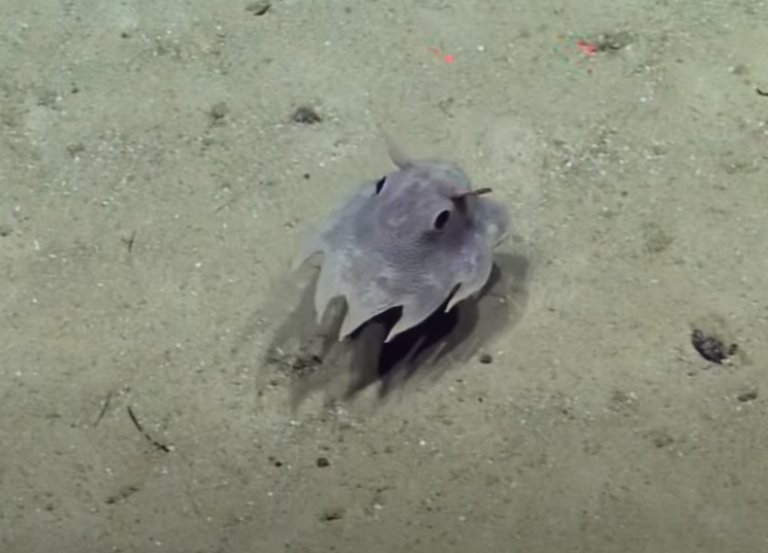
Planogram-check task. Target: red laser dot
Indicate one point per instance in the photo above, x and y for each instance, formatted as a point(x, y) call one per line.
point(447, 58)
point(587, 48)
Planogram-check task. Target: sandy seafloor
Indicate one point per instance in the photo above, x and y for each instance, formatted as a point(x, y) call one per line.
point(154, 191)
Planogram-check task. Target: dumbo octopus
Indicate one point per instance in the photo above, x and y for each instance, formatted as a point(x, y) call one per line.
point(416, 238)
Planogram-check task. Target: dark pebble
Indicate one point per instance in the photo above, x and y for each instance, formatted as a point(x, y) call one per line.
point(711, 348)
point(258, 8)
point(276, 462)
point(306, 116)
point(751, 395)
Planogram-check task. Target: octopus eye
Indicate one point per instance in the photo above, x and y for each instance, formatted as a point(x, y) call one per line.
point(442, 219)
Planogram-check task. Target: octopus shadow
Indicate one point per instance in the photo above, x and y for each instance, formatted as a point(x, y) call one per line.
point(316, 361)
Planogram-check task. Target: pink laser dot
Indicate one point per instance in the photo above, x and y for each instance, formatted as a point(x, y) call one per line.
point(447, 58)
point(587, 48)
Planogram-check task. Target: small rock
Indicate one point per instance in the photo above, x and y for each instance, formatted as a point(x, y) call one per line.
point(306, 115)
point(660, 438)
point(275, 461)
point(219, 110)
point(329, 515)
point(258, 8)
point(611, 42)
point(711, 347)
point(75, 149)
point(749, 395)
